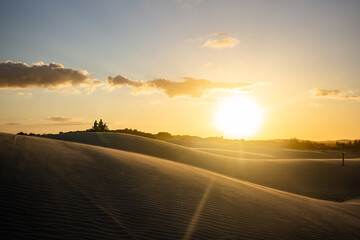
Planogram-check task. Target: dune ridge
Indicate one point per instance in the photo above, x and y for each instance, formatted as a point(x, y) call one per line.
point(318, 178)
point(56, 190)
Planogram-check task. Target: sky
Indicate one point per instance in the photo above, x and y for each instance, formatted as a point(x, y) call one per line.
point(167, 65)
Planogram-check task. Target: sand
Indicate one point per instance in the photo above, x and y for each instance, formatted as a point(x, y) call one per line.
point(313, 175)
point(53, 189)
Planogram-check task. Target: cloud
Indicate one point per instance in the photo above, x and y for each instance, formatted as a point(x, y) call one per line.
point(68, 91)
point(221, 43)
point(60, 120)
point(187, 87)
point(120, 80)
point(24, 94)
point(20, 75)
point(216, 40)
point(93, 85)
point(217, 34)
point(11, 124)
point(332, 93)
point(317, 92)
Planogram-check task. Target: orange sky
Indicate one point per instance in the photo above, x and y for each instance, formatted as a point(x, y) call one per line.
point(166, 66)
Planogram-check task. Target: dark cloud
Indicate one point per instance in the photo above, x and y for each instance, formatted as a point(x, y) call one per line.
point(189, 86)
point(332, 93)
point(20, 75)
point(120, 80)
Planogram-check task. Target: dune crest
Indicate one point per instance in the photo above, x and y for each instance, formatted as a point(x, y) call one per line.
point(314, 175)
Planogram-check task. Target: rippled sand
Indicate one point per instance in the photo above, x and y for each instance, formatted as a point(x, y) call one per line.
point(53, 189)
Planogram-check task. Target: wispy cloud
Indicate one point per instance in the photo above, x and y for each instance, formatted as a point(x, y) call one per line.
point(187, 87)
point(333, 93)
point(93, 85)
point(12, 124)
point(24, 94)
point(217, 34)
point(69, 91)
point(54, 75)
point(60, 120)
point(228, 42)
point(216, 40)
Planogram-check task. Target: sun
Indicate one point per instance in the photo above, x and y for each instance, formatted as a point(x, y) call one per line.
point(238, 117)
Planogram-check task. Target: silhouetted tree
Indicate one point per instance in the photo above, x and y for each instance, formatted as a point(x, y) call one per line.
point(100, 127)
point(95, 127)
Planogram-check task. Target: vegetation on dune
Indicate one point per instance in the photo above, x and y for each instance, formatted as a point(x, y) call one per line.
point(134, 132)
point(99, 127)
point(294, 143)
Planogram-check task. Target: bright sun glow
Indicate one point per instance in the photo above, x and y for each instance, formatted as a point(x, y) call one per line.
point(238, 117)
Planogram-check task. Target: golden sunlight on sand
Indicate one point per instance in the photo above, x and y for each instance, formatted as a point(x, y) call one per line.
point(118, 186)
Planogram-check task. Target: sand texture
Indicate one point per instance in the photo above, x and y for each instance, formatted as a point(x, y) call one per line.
point(311, 174)
point(139, 188)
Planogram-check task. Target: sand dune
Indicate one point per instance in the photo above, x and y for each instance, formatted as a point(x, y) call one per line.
point(151, 146)
point(241, 150)
point(61, 190)
point(237, 153)
point(315, 176)
point(272, 152)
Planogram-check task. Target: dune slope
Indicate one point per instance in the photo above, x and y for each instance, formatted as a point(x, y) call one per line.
point(318, 178)
point(60, 190)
